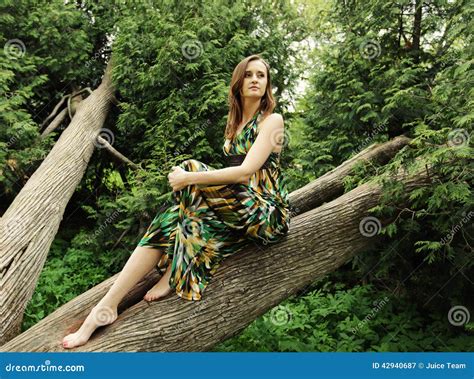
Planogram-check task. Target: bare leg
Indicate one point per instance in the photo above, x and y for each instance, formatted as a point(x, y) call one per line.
point(160, 289)
point(140, 263)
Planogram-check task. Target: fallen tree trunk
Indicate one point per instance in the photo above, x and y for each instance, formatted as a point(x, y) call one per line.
point(29, 225)
point(246, 286)
point(51, 203)
point(55, 123)
point(329, 186)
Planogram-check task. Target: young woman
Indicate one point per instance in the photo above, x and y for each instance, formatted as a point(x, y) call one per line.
point(216, 212)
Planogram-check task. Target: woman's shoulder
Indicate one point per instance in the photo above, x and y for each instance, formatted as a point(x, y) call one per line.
point(271, 118)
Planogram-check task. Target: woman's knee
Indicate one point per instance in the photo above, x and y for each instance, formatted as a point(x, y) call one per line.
point(147, 250)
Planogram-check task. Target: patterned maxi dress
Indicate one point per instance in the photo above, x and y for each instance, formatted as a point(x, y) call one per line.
point(207, 223)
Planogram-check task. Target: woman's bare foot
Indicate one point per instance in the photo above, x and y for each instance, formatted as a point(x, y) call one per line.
point(99, 315)
point(160, 289)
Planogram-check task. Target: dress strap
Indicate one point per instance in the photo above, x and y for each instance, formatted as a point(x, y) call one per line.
point(237, 159)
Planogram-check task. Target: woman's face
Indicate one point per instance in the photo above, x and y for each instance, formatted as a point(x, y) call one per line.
point(255, 79)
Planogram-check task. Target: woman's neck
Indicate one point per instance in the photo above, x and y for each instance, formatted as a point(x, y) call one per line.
point(250, 107)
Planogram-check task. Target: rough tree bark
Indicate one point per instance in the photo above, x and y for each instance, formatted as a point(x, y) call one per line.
point(246, 286)
point(29, 225)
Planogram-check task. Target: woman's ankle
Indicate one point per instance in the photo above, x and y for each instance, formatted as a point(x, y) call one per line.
point(104, 314)
point(108, 302)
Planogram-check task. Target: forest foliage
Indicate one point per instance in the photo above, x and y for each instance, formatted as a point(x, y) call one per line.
point(346, 74)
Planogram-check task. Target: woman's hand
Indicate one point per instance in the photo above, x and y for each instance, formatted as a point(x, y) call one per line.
point(178, 178)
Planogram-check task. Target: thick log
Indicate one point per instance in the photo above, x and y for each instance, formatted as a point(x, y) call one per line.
point(246, 285)
point(329, 186)
point(29, 225)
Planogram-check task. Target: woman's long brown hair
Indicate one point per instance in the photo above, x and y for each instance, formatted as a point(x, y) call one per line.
point(267, 103)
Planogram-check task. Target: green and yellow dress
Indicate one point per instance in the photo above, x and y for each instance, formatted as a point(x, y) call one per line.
point(206, 223)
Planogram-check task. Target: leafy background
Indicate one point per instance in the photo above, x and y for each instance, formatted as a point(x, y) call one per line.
point(346, 74)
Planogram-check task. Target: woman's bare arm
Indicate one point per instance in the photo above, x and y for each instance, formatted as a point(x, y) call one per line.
point(228, 175)
point(271, 131)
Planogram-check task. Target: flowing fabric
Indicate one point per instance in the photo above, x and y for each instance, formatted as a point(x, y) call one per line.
point(207, 223)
